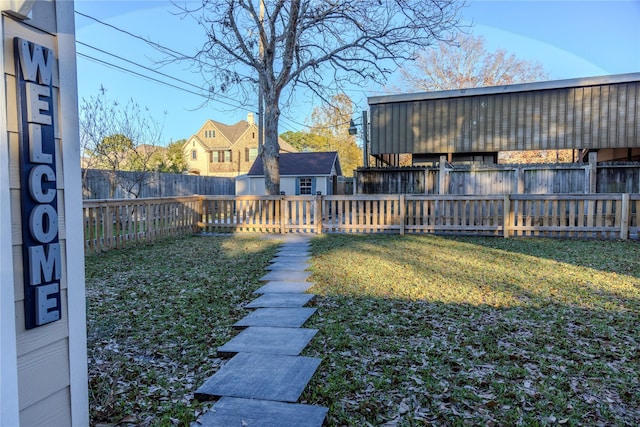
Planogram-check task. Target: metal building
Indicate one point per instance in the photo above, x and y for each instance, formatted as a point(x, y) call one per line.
point(472, 125)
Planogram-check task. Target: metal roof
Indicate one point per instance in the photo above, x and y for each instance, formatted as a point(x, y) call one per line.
point(492, 90)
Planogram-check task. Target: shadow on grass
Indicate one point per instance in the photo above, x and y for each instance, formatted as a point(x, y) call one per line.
point(497, 272)
point(428, 330)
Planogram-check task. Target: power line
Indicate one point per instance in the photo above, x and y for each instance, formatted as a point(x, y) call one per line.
point(138, 65)
point(109, 64)
point(162, 48)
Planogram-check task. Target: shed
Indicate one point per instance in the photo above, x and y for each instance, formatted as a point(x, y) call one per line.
point(300, 174)
point(472, 125)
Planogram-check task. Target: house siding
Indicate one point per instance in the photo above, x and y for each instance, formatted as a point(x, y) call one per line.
point(48, 392)
point(597, 113)
point(230, 142)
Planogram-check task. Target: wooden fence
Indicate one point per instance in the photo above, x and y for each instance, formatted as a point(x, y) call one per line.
point(119, 223)
point(110, 224)
point(96, 184)
point(564, 178)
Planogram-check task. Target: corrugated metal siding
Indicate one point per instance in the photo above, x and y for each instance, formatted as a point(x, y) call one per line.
point(599, 116)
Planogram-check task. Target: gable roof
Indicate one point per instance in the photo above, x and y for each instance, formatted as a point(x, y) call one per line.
point(232, 133)
point(302, 164)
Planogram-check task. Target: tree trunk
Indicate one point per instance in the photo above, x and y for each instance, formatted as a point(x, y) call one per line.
point(271, 152)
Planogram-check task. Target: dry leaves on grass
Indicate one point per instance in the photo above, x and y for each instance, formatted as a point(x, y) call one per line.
point(156, 315)
point(441, 356)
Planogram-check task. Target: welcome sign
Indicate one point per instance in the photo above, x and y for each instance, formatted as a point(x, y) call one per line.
point(41, 248)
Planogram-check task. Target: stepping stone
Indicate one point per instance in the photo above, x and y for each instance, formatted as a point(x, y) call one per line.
point(269, 340)
point(233, 411)
point(284, 287)
point(286, 276)
point(276, 317)
point(272, 299)
point(288, 266)
point(301, 244)
point(289, 258)
point(260, 376)
point(292, 251)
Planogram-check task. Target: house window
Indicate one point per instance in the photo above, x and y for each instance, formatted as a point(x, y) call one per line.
point(305, 186)
point(253, 135)
point(209, 133)
point(250, 154)
point(214, 157)
point(227, 156)
point(194, 155)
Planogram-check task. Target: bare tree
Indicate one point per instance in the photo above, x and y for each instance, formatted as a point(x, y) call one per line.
point(321, 45)
point(118, 138)
point(467, 63)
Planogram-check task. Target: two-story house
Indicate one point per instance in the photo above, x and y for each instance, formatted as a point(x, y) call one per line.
point(225, 150)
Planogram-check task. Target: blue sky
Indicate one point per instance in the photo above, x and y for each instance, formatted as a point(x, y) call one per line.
point(570, 38)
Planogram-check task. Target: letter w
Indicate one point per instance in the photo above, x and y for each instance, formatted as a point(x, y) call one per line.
point(37, 64)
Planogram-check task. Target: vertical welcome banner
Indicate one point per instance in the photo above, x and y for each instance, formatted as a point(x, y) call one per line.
point(41, 254)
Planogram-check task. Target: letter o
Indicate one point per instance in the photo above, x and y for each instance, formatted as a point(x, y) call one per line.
point(36, 176)
point(43, 229)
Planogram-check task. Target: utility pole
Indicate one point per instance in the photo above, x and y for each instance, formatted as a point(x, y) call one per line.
point(365, 138)
point(261, 83)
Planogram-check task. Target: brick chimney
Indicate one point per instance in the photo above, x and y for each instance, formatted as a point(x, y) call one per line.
point(250, 119)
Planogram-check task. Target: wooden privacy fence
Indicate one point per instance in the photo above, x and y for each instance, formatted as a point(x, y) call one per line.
point(117, 223)
point(562, 178)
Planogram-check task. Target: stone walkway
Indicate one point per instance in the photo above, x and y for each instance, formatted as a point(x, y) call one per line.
point(262, 382)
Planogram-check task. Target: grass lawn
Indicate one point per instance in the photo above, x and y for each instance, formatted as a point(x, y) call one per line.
point(156, 315)
point(414, 330)
point(422, 330)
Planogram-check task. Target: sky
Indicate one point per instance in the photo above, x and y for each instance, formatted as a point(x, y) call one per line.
point(571, 39)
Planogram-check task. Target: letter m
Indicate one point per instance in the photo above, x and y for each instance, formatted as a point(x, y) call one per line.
point(44, 264)
point(36, 62)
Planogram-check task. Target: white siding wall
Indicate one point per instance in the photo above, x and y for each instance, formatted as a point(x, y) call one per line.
point(49, 361)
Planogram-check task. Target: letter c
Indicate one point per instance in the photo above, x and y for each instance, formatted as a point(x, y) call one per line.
point(38, 175)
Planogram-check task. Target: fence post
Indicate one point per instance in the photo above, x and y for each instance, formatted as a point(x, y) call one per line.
point(283, 214)
point(442, 181)
point(625, 214)
point(318, 211)
point(593, 171)
point(519, 179)
point(196, 213)
point(402, 214)
point(506, 216)
point(108, 227)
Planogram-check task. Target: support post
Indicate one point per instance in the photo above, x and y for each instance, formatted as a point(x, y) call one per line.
point(519, 179)
point(318, 211)
point(593, 172)
point(402, 214)
point(624, 217)
point(283, 214)
point(442, 181)
point(365, 138)
point(506, 217)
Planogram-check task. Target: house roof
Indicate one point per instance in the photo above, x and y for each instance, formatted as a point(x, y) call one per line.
point(232, 133)
point(300, 164)
point(513, 88)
